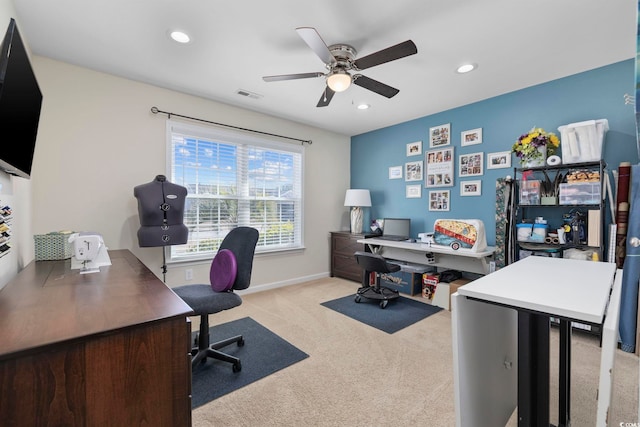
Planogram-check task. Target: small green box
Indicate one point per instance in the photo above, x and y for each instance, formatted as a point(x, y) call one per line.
point(52, 246)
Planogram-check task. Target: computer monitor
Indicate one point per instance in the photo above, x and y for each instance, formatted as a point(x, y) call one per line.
point(396, 228)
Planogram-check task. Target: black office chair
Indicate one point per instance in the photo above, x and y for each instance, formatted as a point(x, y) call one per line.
point(377, 264)
point(204, 300)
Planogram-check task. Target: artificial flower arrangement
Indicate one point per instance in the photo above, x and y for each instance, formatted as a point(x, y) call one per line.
point(526, 147)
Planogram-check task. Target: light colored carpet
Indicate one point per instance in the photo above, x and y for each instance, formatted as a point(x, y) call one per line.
point(357, 375)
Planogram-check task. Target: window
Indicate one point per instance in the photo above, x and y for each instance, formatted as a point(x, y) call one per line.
point(234, 179)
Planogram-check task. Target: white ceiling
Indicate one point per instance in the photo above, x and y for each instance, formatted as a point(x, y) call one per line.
point(515, 43)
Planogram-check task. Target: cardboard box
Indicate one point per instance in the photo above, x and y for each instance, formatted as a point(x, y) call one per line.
point(442, 298)
point(402, 281)
point(408, 280)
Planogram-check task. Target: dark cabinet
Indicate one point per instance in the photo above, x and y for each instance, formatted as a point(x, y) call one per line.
point(343, 264)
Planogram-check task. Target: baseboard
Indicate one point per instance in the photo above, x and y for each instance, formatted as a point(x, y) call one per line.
point(295, 281)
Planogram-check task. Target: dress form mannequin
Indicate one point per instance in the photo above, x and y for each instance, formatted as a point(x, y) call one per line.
point(161, 212)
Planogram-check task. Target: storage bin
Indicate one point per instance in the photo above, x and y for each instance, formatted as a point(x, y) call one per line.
point(52, 246)
point(531, 232)
point(580, 193)
point(523, 232)
point(582, 141)
point(530, 192)
point(408, 280)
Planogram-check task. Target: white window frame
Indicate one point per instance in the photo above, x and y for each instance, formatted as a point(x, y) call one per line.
point(196, 248)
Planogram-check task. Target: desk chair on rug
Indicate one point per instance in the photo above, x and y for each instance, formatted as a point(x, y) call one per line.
point(230, 270)
point(378, 265)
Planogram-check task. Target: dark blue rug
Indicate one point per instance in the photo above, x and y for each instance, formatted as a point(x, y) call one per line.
point(263, 354)
point(399, 313)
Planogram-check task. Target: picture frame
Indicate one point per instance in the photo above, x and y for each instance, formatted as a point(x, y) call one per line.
point(395, 172)
point(471, 164)
point(414, 191)
point(499, 160)
point(471, 137)
point(440, 135)
point(471, 188)
point(414, 148)
point(413, 171)
point(439, 201)
point(439, 168)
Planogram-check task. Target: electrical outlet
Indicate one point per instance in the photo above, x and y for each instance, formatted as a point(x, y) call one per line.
point(188, 274)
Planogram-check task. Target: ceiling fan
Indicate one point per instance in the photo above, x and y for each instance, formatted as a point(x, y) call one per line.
point(340, 60)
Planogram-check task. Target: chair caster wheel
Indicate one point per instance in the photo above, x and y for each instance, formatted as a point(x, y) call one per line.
point(241, 342)
point(357, 298)
point(383, 303)
point(237, 367)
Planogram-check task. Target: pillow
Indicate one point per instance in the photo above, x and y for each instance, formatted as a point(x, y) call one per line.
point(223, 271)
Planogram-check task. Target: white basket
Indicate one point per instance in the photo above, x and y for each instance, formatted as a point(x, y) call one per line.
point(582, 141)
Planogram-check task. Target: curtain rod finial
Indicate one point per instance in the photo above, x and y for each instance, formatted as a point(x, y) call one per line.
point(154, 110)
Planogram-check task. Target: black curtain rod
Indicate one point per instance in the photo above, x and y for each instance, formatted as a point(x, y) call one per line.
point(155, 110)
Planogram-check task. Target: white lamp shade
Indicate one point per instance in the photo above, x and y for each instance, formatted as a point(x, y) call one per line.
point(357, 197)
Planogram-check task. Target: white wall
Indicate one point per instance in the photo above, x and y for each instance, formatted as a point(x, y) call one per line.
point(98, 139)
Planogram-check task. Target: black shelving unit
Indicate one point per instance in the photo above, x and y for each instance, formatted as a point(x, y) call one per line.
point(553, 213)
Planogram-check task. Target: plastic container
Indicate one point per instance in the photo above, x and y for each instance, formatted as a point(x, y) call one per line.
point(580, 193)
point(539, 233)
point(523, 232)
point(582, 141)
point(531, 232)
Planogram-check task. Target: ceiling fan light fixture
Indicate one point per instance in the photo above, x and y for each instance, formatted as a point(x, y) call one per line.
point(339, 81)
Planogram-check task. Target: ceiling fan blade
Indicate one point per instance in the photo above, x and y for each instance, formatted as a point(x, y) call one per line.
point(291, 77)
point(325, 99)
point(375, 86)
point(315, 42)
point(386, 55)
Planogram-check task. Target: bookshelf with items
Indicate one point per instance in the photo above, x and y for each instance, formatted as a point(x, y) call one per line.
point(559, 212)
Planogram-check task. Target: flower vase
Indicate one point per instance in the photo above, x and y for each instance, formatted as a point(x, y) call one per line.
point(540, 160)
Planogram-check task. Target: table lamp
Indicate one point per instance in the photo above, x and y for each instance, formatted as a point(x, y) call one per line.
point(357, 199)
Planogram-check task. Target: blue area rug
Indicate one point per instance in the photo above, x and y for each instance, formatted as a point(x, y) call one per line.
point(263, 354)
point(399, 313)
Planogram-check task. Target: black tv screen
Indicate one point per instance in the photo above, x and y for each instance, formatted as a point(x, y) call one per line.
point(20, 104)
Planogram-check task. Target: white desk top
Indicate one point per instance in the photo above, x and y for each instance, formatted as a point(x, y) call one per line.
point(425, 247)
point(573, 289)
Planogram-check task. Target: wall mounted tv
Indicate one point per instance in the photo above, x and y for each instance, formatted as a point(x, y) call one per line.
point(20, 104)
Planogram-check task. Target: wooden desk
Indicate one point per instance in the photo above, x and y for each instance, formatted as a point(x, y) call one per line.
point(444, 257)
point(107, 348)
point(500, 328)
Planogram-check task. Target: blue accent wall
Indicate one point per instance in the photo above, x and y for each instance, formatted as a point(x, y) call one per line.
point(595, 94)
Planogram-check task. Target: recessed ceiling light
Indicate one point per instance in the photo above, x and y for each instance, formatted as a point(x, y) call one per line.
point(465, 68)
point(180, 36)
point(363, 106)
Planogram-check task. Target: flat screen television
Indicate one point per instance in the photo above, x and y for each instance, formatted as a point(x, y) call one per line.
point(20, 104)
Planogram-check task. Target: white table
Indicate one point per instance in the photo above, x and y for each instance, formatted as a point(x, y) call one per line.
point(501, 328)
point(445, 257)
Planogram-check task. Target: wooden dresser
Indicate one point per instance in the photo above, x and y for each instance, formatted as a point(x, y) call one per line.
point(107, 348)
point(343, 263)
